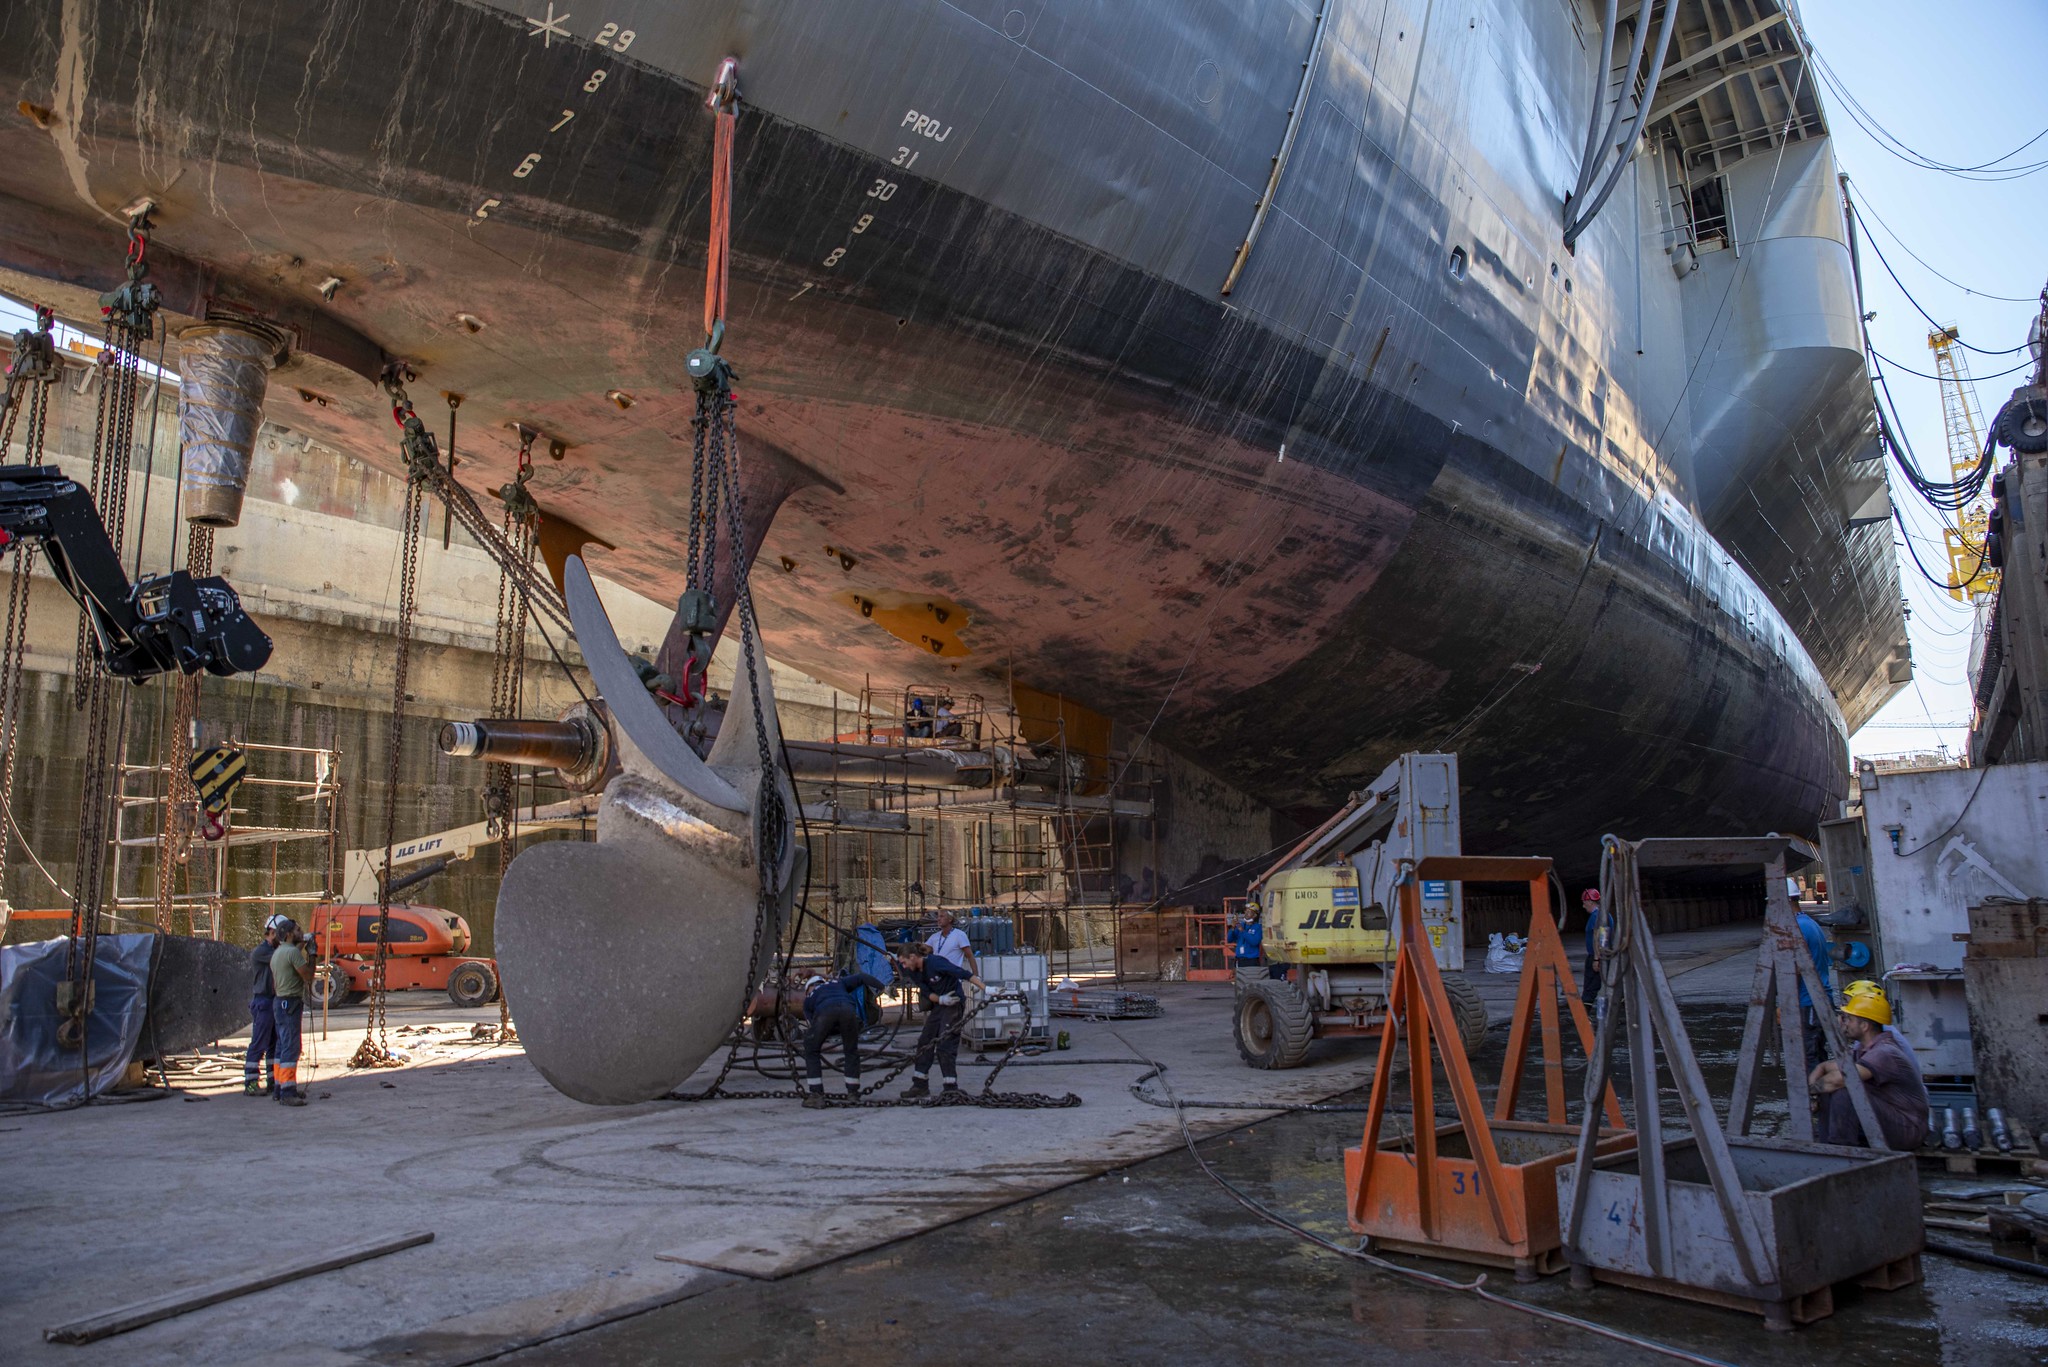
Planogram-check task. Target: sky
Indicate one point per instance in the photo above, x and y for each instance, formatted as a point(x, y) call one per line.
point(1959, 83)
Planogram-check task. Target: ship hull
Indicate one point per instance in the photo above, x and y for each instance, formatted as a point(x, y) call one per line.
point(1359, 505)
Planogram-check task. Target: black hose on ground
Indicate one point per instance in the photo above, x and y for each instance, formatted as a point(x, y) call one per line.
point(1967, 1254)
point(1476, 1287)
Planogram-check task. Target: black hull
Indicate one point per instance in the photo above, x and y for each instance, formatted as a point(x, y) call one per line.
point(1083, 452)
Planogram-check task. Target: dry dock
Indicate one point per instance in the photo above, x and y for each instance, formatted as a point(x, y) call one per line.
point(755, 1231)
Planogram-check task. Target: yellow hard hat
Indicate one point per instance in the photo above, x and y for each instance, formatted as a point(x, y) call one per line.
point(1872, 1006)
point(1861, 986)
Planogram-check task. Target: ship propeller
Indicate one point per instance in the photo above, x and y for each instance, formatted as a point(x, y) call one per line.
point(628, 958)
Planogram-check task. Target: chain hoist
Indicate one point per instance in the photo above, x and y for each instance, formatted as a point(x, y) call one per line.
point(31, 374)
point(181, 801)
point(508, 675)
point(421, 460)
point(130, 313)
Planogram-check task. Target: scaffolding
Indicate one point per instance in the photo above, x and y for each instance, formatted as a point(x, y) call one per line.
point(1038, 842)
point(292, 794)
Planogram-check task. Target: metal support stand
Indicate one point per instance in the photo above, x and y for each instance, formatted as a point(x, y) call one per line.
point(1797, 1217)
point(1480, 1190)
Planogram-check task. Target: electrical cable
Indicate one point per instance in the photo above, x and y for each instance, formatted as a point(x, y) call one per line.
point(1981, 294)
point(2027, 364)
point(1989, 171)
point(1981, 351)
point(1983, 559)
point(1982, 772)
point(1476, 1287)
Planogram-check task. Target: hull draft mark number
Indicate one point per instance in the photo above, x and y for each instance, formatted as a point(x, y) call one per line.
point(610, 36)
point(929, 126)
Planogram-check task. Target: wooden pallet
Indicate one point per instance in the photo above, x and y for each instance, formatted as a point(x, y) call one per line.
point(1782, 1316)
point(2025, 1160)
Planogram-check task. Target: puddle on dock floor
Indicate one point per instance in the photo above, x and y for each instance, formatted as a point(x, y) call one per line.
point(1157, 1264)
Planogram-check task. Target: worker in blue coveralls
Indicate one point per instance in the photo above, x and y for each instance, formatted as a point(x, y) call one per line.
point(1589, 989)
point(258, 1077)
point(1248, 943)
point(832, 1006)
point(1817, 947)
point(942, 983)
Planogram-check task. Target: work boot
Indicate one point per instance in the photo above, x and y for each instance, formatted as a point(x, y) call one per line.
point(814, 1100)
point(918, 1087)
point(290, 1099)
point(254, 1088)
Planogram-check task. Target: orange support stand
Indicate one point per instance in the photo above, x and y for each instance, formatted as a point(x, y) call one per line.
point(1479, 1190)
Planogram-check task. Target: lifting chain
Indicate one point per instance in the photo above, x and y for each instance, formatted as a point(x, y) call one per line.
point(181, 803)
point(130, 313)
point(988, 1097)
point(508, 665)
point(508, 675)
point(30, 376)
point(375, 1051)
point(423, 464)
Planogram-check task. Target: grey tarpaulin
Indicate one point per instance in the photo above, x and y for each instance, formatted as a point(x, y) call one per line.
point(223, 371)
point(34, 1068)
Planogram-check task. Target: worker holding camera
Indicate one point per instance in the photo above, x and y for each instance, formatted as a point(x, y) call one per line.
point(943, 985)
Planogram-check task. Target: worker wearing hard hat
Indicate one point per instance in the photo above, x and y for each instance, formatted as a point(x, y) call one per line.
point(1866, 985)
point(1589, 990)
point(1248, 944)
point(1891, 1079)
point(259, 1065)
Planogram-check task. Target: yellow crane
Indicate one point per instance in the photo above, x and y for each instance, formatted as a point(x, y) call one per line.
point(1963, 419)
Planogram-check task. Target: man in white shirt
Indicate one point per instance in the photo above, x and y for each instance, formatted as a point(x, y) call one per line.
point(950, 942)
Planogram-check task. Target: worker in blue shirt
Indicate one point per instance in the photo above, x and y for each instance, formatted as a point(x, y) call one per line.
point(1817, 948)
point(257, 1065)
point(1589, 990)
point(832, 1006)
point(1248, 943)
point(942, 984)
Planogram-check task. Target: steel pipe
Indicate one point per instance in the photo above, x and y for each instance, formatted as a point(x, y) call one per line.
point(570, 744)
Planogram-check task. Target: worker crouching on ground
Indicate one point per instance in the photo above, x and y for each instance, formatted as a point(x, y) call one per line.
point(1891, 1079)
point(832, 1006)
point(290, 974)
point(943, 986)
point(262, 1056)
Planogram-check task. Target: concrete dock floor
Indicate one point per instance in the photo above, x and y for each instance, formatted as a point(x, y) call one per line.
point(755, 1231)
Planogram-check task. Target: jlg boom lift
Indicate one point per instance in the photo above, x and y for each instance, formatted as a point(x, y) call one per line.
point(1327, 909)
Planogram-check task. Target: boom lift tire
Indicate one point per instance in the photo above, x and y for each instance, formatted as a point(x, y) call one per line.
point(472, 984)
point(1272, 1023)
point(329, 988)
point(1468, 1009)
